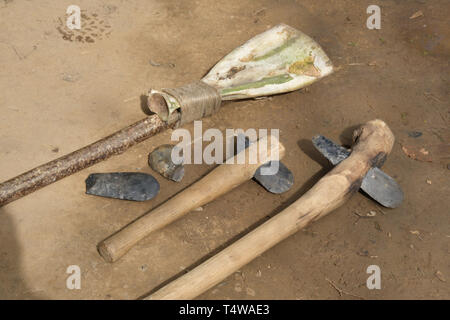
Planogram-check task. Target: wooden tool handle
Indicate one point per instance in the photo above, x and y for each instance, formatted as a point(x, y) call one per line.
point(219, 181)
point(374, 142)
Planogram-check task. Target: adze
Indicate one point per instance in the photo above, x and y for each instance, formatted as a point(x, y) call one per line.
point(281, 59)
point(375, 141)
point(219, 181)
point(377, 184)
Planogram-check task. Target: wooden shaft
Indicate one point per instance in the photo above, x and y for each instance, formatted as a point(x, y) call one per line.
point(218, 182)
point(71, 163)
point(375, 141)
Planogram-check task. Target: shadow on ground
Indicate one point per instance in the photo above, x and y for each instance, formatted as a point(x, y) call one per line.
point(10, 262)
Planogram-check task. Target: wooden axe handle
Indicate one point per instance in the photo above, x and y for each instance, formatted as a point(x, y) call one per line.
point(218, 182)
point(374, 142)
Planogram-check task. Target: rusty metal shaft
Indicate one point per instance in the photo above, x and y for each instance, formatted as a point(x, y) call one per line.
point(55, 170)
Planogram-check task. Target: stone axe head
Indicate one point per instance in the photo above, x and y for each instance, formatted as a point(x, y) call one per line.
point(279, 181)
point(377, 184)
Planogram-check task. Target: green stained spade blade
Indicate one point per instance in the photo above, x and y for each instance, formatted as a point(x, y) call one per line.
point(279, 60)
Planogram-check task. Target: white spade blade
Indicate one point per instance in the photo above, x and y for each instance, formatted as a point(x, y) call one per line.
point(281, 59)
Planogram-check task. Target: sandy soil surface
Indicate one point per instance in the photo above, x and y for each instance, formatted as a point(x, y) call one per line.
point(58, 95)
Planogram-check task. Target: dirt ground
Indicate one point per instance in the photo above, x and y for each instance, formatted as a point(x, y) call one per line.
point(58, 95)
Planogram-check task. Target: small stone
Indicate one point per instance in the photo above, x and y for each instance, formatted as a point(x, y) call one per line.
point(440, 276)
point(363, 253)
point(70, 77)
point(377, 226)
point(238, 287)
point(372, 213)
point(250, 292)
point(414, 134)
point(416, 14)
point(154, 63)
point(144, 267)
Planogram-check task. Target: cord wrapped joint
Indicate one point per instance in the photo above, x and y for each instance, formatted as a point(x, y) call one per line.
point(185, 104)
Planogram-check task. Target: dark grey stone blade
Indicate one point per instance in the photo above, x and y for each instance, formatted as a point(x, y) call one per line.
point(279, 182)
point(332, 151)
point(134, 186)
point(382, 188)
point(377, 184)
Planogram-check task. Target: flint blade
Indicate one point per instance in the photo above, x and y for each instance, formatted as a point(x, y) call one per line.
point(377, 184)
point(134, 186)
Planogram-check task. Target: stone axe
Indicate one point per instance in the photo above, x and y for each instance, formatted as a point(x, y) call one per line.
point(279, 60)
point(374, 142)
point(377, 184)
point(219, 181)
